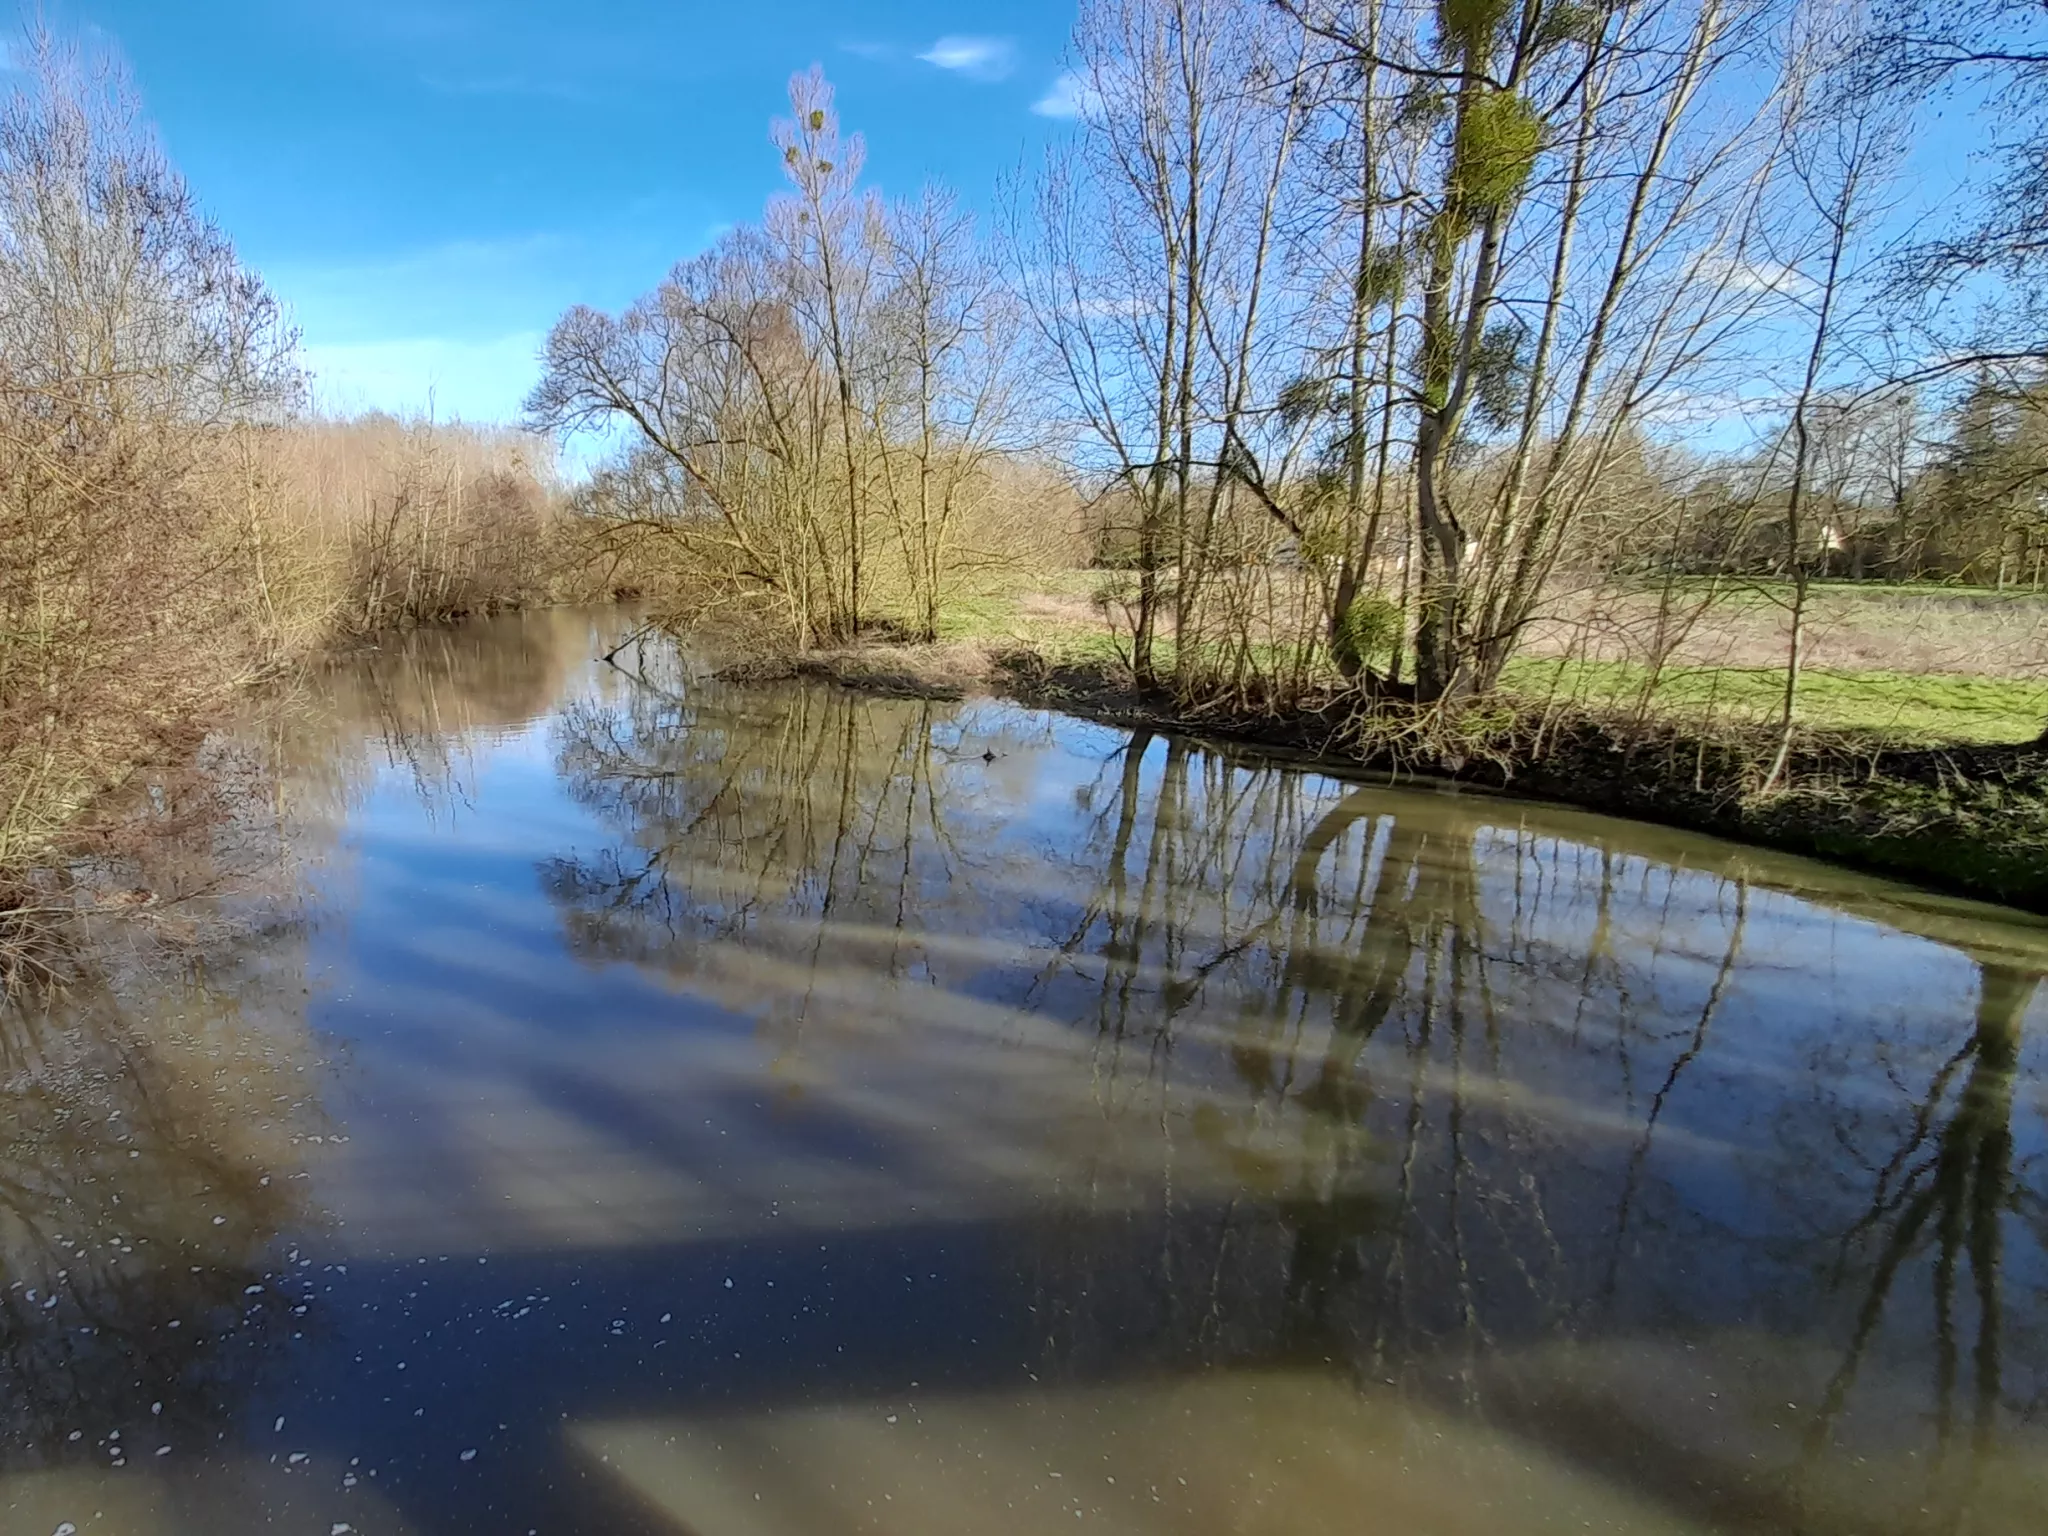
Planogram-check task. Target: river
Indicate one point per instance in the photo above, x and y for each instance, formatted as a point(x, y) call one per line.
point(537, 1095)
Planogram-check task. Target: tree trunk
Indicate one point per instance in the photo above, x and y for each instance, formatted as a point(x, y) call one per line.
point(1438, 670)
point(1349, 662)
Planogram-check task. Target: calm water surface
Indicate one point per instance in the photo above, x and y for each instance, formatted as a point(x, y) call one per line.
point(574, 1101)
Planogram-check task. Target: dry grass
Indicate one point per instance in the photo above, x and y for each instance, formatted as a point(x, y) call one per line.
point(950, 669)
point(378, 522)
point(1743, 625)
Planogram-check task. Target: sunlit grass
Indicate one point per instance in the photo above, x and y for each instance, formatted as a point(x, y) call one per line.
point(1900, 706)
point(1918, 707)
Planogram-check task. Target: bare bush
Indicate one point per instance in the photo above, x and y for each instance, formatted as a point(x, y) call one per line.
point(390, 522)
point(136, 359)
point(169, 527)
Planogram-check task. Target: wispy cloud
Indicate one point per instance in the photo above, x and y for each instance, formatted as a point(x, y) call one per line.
point(1069, 96)
point(978, 58)
point(460, 264)
point(1751, 276)
point(862, 49)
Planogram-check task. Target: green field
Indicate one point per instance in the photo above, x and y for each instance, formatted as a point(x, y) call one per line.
point(1050, 612)
point(1896, 705)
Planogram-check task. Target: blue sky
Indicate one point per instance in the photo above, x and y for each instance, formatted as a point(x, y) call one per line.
point(428, 183)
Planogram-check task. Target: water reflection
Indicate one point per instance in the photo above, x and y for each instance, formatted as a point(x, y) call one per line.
point(637, 1094)
point(144, 1174)
point(150, 1182)
point(1432, 1089)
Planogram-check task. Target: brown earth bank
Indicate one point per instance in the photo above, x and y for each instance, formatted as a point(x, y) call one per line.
point(1972, 820)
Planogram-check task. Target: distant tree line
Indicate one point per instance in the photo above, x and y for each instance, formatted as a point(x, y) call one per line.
point(1894, 493)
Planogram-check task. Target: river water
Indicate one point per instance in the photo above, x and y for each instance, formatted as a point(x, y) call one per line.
point(546, 1096)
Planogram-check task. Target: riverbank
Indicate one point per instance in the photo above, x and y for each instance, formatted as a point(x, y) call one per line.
point(1968, 819)
point(145, 781)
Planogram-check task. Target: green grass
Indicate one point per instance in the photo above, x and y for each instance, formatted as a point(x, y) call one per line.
point(1896, 705)
point(995, 613)
point(977, 618)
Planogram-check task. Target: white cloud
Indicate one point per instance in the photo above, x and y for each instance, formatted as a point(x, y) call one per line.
point(1069, 96)
point(978, 58)
point(1746, 275)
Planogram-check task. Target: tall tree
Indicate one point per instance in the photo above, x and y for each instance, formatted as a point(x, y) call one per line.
point(1578, 223)
point(1145, 257)
point(1838, 149)
point(796, 395)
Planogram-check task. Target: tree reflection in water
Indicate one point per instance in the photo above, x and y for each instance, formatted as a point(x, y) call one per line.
point(1179, 1083)
point(1943, 1199)
point(1532, 1123)
point(122, 1146)
point(154, 1105)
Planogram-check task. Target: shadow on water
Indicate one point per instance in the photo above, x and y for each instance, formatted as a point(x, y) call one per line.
point(676, 1090)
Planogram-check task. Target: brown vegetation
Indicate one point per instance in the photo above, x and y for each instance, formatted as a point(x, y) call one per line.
point(822, 411)
point(170, 526)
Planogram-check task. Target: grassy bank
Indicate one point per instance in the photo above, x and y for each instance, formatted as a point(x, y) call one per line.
point(1911, 666)
point(1935, 778)
point(1896, 706)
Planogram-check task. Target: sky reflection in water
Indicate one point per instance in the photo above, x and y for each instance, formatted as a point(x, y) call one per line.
point(632, 1103)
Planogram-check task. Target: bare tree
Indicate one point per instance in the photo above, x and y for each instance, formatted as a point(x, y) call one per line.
point(817, 413)
point(1568, 215)
point(135, 353)
point(1917, 48)
point(1145, 258)
point(1838, 148)
point(828, 233)
point(946, 419)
